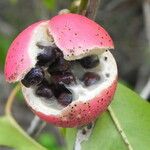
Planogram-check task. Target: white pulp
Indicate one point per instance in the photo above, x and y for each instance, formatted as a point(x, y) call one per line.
point(79, 91)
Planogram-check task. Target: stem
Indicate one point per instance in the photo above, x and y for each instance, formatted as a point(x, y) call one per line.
point(92, 9)
point(33, 125)
point(146, 13)
point(83, 134)
point(23, 133)
point(11, 99)
point(146, 90)
point(41, 127)
point(82, 7)
point(119, 128)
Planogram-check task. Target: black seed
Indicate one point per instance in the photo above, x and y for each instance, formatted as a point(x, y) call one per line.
point(63, 78)
point(89, 61)
point(48, 56)
point(58, 52)
point(90, 78)
point(44, 91)
point(59, 65)
point(63, 95)
point(33, 77)
point(65, 99)
point(63, 64)
point(57, 89)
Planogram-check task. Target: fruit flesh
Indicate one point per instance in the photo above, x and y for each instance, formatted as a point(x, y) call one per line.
point(60, 76)
point(80, 92)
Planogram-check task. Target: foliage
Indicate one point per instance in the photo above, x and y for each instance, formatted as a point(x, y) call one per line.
point(12, 135)
point(132, 113)
point(48, 141)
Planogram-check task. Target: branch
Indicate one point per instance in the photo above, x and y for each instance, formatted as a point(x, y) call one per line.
point(11, 99)
point(146, 90)
point(144, 69)
point(83, 134)
point(92, 9)
point(6, 28)
point(146, 12)
point(41, 127)
point(82, 7)
point(33, 125)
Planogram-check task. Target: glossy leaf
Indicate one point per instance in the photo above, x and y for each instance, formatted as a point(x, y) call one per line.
point(11, 135)
point(133, 115)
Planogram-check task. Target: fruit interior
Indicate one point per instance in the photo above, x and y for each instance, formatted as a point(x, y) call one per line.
point(85, 81)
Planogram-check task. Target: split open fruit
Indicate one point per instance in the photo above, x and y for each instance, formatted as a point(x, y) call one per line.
point(67, 73)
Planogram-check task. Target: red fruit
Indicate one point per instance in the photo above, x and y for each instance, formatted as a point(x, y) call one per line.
point(70, 37)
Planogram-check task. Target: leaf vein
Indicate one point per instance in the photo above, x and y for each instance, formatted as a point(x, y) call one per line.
point(119, 128)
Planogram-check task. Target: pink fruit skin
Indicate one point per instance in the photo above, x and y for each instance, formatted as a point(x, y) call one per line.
point(80, 114)
point(18, 61)
point(76, 34)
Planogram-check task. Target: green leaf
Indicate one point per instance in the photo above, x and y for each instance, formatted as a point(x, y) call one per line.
point(12, 135)
point(133, 116)
point(48, 140)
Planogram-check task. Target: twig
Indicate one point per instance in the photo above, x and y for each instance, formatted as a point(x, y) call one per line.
point(6, 28)
point(41, 127)
point(11, 99)
point(144, 70)
point(146, 90)
point(33, 125)
point(112, 5)
point(82, 7)
point(146, 12)
point(119, 128)
point(92, 9)
point(83, 134)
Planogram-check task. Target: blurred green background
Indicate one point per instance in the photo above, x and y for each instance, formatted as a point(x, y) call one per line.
point(127, 21)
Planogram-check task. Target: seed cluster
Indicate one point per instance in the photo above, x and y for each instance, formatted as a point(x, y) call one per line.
point(53, 73)
point(89, 62)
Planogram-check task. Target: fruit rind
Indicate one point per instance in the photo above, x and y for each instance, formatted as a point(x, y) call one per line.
point(78, 36)
point(80, 113)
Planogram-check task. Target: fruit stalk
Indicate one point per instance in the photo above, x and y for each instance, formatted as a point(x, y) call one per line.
point(92, 9)
point(82, 7)
point(11, 99)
